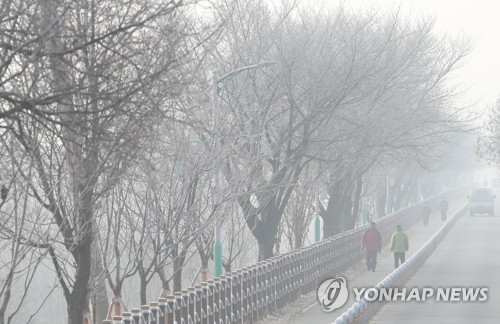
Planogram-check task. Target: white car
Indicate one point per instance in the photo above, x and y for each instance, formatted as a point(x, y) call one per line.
point(481, 201)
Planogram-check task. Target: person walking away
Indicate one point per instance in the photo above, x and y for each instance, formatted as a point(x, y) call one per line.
point(372, 243)
point(426, 213)
point(399, 245)
point(443, 207)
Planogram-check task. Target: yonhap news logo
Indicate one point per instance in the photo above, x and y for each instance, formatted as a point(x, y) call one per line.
point(333, 294)
point(415, 294)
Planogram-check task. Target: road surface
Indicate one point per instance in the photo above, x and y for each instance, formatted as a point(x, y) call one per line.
point(467, 257)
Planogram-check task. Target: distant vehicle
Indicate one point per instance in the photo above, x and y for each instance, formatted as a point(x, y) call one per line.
point(481, 201)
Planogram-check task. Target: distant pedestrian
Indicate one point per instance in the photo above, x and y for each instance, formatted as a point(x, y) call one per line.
point(399, 245)
point(443, 207)
point(372, 243)
point(426, 213)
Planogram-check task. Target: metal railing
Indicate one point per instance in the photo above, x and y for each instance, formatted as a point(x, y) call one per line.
point(253, 292)
point(363, 311)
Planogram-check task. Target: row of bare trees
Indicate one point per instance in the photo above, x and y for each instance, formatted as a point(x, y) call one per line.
point(107, 139)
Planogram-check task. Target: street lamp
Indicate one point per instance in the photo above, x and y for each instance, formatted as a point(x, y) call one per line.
point(217, 85)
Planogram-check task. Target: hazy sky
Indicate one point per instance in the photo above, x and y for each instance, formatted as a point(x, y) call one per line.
point(480, 20)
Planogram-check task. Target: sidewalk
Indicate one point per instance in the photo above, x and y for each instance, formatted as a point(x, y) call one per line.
point(307, 310)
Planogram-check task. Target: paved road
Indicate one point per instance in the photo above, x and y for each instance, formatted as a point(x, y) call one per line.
point(359, 277)
point(468, 257)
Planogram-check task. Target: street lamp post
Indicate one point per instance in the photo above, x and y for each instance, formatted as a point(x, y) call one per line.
point(217, 85)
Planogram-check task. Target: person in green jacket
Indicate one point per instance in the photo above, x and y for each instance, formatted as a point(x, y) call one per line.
point(399, 245)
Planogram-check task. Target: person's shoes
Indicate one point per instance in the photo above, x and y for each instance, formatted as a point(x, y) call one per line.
point(373, 270)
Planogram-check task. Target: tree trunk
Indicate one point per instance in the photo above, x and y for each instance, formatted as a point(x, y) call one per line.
point(100, 292)
point(298, 239)
point(266, 232)
point(357, 197)
point(143, 289)
point(178, 264)
point(79, 295)
point(333, 213)
point(266, 246)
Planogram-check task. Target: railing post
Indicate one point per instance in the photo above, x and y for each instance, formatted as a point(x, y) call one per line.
point(136, 315)
point(117, 320)
point(191, 305)
point(198, 304)
point(170, 310)
point(145, 313)
point(154, 309)
point(127, 318)
point(260, 290)
point(205, 304)
point(162, 312)
point(245, 302)
point(185, 305)
point(230, 298)
point(217, 300)
point(237, 293)
point(178, 307)
point(252, 270)
point(222, 298)
point(211, 303)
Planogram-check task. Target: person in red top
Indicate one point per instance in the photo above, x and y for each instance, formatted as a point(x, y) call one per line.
point(372, 243)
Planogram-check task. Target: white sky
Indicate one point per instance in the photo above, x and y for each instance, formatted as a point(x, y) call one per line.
point(480, 20)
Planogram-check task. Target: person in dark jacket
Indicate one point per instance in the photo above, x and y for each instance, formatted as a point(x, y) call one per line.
point(372, 243)
point(443, 206)
point(426, 213)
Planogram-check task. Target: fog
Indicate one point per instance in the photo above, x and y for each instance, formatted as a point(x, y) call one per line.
point(149, 146)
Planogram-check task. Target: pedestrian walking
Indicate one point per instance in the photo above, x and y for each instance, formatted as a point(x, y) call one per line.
point(372, 243)
point(443, 207)
point(426, 213)
point(399, 245)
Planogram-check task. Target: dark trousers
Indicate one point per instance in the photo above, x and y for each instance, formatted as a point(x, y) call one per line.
point(371, 260)
point(443, 215)
point(426, 220)
point(398, 257)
